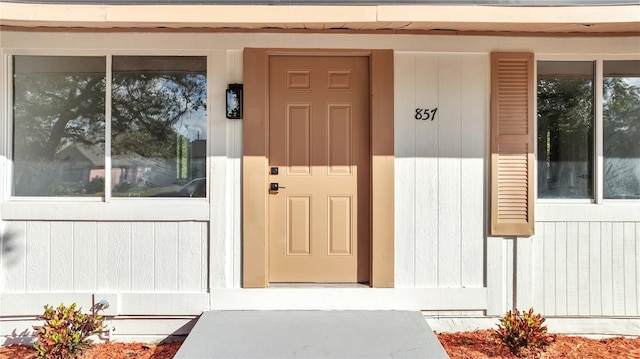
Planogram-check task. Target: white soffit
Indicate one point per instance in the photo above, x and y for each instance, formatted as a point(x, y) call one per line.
point(467, 18)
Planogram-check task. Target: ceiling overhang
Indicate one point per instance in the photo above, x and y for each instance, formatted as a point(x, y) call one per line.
point(580, 20)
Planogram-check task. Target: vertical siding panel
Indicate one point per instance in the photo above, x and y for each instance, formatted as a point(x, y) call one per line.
point(523, 272)
point(62, 256)
point(449, 265)
point(637, 262)
point(606, 265)
point(509, 266)
point(550, 271)
point(234, 176)
point(561, 290)
point(405, 191)
point(630, 279)
point(114, 256)
point(222, 71)
point(142, 250)
point(166, 257)
point(204, 256)
point(496, 276)
point(572, 269)
point(189, 269)
point(38, 256)
point(85, 252)
point(236, 206)
point(617, 252)
point(595, 305)
point(583, 268)
point(473, 99)
point(14, 254)
point(426, 175)
point(538, 258)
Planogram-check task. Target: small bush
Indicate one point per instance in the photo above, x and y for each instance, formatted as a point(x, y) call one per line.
point(523, 333)
point(66, 331)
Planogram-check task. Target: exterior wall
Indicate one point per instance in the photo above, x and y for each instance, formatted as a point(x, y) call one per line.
point(583, 268)
point(99, 257)
point(168, 262)
point(440, 169)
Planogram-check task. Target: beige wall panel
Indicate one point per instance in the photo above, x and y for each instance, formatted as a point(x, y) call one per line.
point(254, 167)
point(382, 168)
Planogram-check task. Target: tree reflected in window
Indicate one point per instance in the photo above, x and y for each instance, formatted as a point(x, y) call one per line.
point(159, 124)
point(621, 129)
point(58, 126)
point(565, 129)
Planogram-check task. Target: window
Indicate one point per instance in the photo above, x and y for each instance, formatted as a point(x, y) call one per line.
point(621, 112)
point(567, 140)
point(153, 145)
point(59, 126)
point(565, 129)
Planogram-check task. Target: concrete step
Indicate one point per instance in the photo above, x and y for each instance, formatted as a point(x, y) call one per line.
point(311, 334)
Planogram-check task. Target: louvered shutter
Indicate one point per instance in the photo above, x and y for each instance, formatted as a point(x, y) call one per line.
point(512, 157)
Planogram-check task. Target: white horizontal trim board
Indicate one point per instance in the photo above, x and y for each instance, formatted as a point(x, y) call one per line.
point(162, 304)
point(350, 299)
point(609, 211)
point(154, 329)
point(121, 329)
point(125, 210)
point(590, 327)
point(186, 15)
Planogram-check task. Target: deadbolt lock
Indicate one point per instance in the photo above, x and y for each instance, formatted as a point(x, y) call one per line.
point(274, 186)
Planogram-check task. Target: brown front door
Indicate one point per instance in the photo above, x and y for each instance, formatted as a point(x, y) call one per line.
point(319, 146)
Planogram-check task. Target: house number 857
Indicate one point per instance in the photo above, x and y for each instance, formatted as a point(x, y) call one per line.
point(426, 114)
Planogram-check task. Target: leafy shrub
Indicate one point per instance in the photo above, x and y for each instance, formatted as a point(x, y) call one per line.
point(66, 331)
point(523, 333)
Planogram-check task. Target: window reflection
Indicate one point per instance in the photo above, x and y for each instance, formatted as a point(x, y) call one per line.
point(159, 125)
point(58, 126)
point(565, 129)
point(621, 129)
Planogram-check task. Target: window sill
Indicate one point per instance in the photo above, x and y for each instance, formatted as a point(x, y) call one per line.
point(609, 211)
point(125, 210)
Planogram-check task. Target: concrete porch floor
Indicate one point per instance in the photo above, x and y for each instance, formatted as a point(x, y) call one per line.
point(311, 334)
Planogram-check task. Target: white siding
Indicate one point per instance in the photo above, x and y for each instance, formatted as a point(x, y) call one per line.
point(440, 167)
point(117, 257)
point(588, 269)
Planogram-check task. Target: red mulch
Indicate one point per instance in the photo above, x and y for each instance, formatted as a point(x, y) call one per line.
point(463, 345)
point(111, 350)
point(479, 344)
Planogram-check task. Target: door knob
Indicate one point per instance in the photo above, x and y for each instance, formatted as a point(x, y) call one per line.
point(274, 186)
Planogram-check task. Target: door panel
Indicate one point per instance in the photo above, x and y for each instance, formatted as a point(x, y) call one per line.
point(319, 140)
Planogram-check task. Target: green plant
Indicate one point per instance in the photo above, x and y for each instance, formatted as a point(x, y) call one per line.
point(65, 332)
point(523, 333)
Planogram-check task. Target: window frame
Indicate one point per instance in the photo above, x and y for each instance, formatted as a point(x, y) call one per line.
point(105, 207)
point(598, 131)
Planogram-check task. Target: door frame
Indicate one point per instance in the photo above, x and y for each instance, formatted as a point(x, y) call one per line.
point(255, 162)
